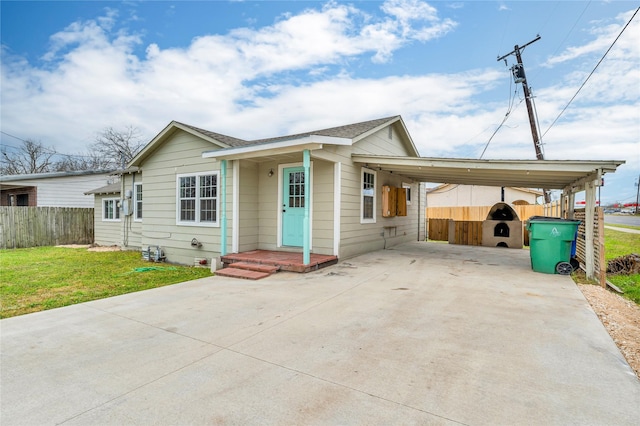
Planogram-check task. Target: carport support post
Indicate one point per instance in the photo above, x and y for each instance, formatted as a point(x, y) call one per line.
point(223, 207)
point(589, 209)
point(306, 232)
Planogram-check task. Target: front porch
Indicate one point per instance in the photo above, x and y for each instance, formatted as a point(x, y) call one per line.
point(256, 264)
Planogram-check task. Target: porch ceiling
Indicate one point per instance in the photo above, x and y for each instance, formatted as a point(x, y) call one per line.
point(547, 174)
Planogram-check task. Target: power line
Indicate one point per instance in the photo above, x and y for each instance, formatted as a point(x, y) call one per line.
point(592, 71)
point(573, 27)
point(48, 150)
point(506, 116)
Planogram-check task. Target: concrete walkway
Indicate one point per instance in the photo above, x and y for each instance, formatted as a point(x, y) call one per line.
point(426, 333)
point(616, 228)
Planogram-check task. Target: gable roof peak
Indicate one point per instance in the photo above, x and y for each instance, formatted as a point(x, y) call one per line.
point(347, 131)
point(227, 140)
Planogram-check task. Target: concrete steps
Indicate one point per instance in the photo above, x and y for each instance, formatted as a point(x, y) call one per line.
point(247, 270)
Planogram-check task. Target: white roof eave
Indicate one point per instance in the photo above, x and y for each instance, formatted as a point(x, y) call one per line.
point(311, 142)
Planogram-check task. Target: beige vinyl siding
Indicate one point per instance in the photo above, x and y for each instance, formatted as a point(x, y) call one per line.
point(130, 229)
point(323, 207)
point(322, 215)
point(268, 206)
point(358, 238)
point(106, 233)
point(249, 202)
point(181, 154)
point(380, 144)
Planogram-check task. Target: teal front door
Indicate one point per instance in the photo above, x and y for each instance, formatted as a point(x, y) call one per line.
point(293, 206)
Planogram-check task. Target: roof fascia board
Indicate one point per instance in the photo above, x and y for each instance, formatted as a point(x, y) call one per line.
point(160, 137)
point(242, 153)
point(409, 138)
point(533, 165)
point(280, 147)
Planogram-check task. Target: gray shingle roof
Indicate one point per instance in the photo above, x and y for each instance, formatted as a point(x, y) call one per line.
point(228, 140)
point(348, 131)
point(112, 188)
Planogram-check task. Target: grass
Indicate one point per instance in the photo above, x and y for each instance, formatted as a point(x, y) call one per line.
point(618, 244)
point(41, 278)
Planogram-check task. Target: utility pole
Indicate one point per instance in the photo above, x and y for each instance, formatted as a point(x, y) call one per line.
point(637, 193)
point(519, 77)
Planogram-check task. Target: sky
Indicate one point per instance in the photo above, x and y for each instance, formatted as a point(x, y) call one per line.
point(259, 69)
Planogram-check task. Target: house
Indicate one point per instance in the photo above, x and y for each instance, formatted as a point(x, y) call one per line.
point(191, 194)
point(197, 194)
point(55, 189)
point(457, 195)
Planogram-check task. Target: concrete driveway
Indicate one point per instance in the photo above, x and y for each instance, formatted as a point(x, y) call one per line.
point(425, 333)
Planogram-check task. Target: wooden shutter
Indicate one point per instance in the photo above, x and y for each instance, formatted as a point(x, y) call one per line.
point(388, 201)
point(401, 201)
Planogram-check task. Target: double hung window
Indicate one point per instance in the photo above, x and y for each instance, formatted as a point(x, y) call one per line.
point(197, 199)
point(110, 209)
point(368, 196)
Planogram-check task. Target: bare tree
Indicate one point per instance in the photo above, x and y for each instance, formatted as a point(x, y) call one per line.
point(91, 161)
point(118, 147)
point(31, 157)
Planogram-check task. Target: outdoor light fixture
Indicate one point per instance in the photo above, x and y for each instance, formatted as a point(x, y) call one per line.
point(270, 173)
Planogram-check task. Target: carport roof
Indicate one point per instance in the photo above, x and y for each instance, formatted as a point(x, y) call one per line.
point(547, 174)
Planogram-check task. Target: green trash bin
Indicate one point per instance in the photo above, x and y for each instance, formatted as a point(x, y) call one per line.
point(550, 243)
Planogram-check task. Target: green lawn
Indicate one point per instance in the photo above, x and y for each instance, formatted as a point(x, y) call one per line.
point(40, 278)
point(618, 244)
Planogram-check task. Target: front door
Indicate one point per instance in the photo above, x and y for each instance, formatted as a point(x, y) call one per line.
point(293, 206)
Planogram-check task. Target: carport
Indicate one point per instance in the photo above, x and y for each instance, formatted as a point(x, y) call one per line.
point(570, 176)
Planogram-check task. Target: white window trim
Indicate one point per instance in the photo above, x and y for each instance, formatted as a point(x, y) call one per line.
point(135, 201)
point(375, 195)
point(197, 222)
point(407, 186)
point(116, 209)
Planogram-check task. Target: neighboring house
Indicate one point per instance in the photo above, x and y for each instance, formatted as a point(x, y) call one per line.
point(454, 195)
point(108, 228)
point(56, 189)
point(199, 194)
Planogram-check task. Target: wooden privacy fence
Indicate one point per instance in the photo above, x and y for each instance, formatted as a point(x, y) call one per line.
point(479, 213)
point(466, 232)
point(468, 222)
point(600, 266)
point(22, 227)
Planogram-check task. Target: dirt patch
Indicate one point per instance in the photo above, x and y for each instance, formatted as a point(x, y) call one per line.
point(621, 318)
point(91, 247)
point(104, 248)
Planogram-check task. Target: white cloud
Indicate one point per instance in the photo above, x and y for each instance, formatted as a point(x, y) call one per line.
point(93, 80)
point(605, 35)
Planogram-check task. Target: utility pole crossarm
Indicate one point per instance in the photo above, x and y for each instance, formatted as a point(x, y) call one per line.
point(516, 49)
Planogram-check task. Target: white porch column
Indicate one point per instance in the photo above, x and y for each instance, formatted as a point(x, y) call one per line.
point(306, 243)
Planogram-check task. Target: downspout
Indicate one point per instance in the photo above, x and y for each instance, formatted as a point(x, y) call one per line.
point(306, 247)
point(223, 207)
